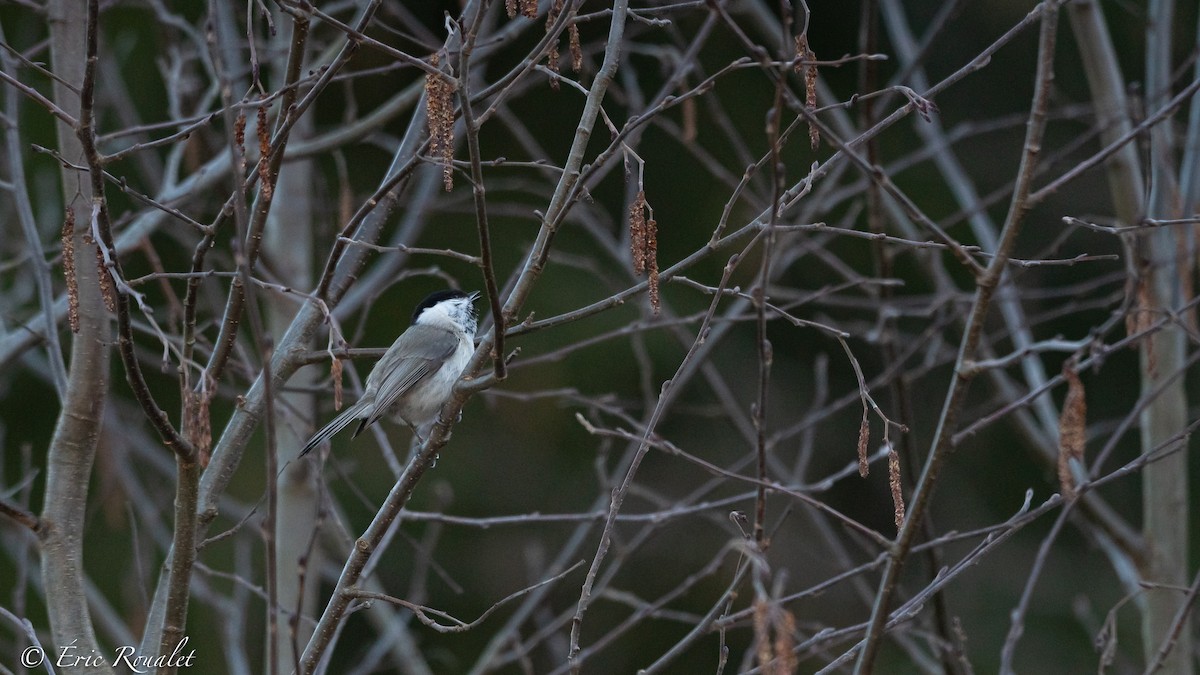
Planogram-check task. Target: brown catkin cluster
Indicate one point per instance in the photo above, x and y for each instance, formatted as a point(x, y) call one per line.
point(239, 137)
point(68, 260)
point(576, 48)
point(107, 289)
point(439, 102)
point(1072, 430)
point(239, 129)
point(264, 149)
point(198, 424)
point(552, 57)
point(775, 656)
point(335, 370)
point(804, 65)
point(637, 232)
point(894, 484)
point(1140, 319)
point(643, 244)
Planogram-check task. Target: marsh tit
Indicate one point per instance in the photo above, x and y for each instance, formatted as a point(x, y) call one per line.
point(414, 378)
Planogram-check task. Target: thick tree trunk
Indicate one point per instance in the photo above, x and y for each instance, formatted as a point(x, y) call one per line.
point(73, 445)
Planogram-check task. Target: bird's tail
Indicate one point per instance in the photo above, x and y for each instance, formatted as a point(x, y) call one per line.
point(348, 415)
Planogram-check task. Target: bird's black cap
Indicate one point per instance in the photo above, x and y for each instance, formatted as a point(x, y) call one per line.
point(434, 298)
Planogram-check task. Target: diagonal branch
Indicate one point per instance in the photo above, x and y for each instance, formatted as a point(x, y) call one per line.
point(985, 287)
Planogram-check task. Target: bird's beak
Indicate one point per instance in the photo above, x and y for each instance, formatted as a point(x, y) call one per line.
point(474, 295)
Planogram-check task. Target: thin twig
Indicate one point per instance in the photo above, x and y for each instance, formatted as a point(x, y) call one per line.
point(487, 264)
point(426, 614)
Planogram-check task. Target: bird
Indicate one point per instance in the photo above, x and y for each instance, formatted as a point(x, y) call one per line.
point(416, 375)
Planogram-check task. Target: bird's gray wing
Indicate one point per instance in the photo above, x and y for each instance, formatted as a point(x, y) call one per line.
point(425, 349)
